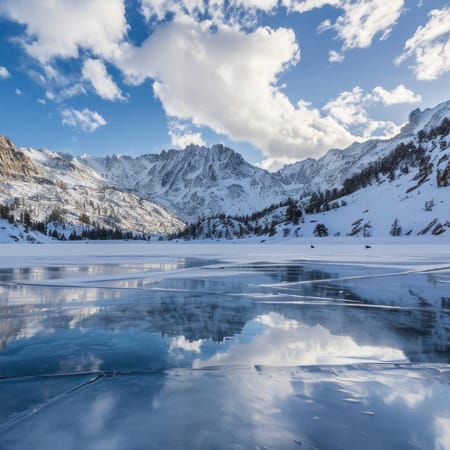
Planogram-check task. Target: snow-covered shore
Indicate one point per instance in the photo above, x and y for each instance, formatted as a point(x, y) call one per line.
point(424, 252)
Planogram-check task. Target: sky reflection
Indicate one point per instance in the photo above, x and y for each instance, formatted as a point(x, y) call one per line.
point(199, 358)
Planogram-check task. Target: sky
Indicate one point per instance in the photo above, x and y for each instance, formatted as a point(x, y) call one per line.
point(277, 80)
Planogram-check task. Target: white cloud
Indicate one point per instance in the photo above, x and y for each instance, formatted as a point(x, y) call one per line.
point(349, 108)
point(224, 77)
point(71, 91)
point(18, 91)
point(397, 96)
point(227, 80)
point(335, 57)
point(302, 6)
point(181, 134)
point(430, 46)
point(181, 343)
point(59, 28)
point(274, 164)
point(242, 12)
point(286, 342)
point(85, 119)
point(364, 19)
point(442, 432)
point(360, 21)
point(41, 101)
point(95, 72)
point(4, 73)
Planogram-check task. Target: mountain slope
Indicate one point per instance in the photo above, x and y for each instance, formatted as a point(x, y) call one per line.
point(194, 182)
point(121, 191)
point(336, 165)
point(42, 182)
point(404, 192)
point(200, 181)
point(13, 162)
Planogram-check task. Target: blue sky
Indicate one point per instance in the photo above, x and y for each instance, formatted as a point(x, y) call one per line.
point(277, 80)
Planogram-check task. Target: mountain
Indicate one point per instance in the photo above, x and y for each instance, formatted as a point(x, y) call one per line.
point(56, 187)
point(362, 190)
point(405, 191)
point(13, 162)
point(336, 165)
point(200, 182)
point(194, 182)
point(215, 317)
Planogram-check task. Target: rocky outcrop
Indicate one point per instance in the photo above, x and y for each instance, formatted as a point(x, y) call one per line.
point(13, 162)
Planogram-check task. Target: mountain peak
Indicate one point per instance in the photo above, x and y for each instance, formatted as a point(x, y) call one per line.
point(425, 119)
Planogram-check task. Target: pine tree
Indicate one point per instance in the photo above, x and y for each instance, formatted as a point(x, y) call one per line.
point(320, 230)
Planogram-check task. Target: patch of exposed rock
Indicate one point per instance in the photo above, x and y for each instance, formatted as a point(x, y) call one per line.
point(13, 162)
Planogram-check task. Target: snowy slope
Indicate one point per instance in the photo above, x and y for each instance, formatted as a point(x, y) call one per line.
point(47, 180)
point(126, 193)
point(11, 233)
point(337, 165)
point(411, 197)
point(418, 199)
point(200, 182)
point(379, 206)
point(194, 182)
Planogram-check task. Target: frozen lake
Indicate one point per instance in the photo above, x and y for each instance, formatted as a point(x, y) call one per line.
point(202, 352)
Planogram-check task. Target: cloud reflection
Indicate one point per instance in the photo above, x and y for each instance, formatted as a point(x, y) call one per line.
point(288, 342)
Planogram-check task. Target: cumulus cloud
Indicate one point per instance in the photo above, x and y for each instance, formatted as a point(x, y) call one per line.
point(182, 135)
point(208, 68)
point(237, 12)
point(84, 120)
point(4, 73)
point(71, 91)
point(302, 6)
point(429, 47)
point(59, 28)
point(397, 96)
point(227, 80)
point(335, 57)
point(349, 108)
point(364, 19)
point(360, 21)
point(18, 91)
point(95, 72)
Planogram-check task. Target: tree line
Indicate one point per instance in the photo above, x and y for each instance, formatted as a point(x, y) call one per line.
point(402, 157)
point(56, 227)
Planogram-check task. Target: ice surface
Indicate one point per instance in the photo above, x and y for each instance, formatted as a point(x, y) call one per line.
point(211, 348)
point(389, 407)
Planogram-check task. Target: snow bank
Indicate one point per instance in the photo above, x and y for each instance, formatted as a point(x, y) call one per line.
point(427, 252)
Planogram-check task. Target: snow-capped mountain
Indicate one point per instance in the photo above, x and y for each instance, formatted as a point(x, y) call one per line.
point(201, 182)
point(46, 183)
point(403, 192)
point(195, 182)
point(126, 193)
point(336, 165)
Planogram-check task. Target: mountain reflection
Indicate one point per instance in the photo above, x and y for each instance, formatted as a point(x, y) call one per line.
point(225, 315)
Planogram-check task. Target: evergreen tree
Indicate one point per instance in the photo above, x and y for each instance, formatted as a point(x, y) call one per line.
point(320, 230)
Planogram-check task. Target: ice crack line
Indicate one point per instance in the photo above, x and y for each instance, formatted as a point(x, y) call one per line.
point(356, 277)
point(36, 409)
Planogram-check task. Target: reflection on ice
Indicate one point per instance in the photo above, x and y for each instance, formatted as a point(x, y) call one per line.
point(442, 430)
point(246, 408)
point(278, 356)
point(285, 342)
